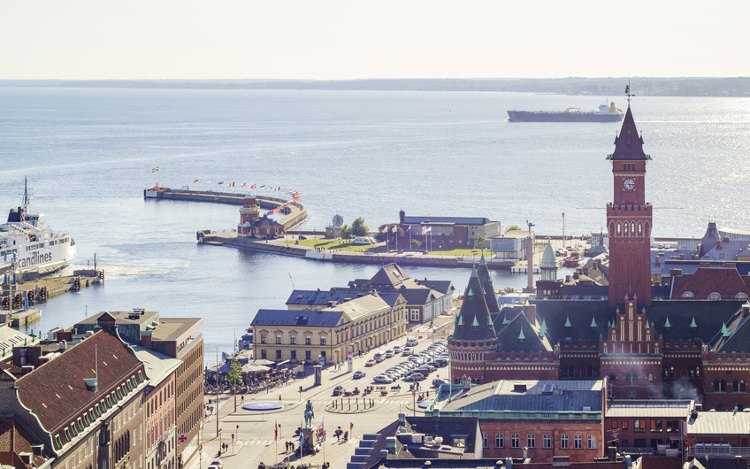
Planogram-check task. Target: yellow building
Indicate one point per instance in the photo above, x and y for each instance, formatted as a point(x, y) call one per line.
point(308, 335)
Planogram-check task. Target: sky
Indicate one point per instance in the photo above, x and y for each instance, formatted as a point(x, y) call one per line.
point(351, 39)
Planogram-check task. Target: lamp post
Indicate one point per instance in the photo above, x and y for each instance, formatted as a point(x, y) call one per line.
point(414, 399)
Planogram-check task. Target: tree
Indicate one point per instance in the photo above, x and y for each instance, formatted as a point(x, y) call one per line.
point(359, 228)
point(346, 232)
point(234, 377)
point(416, 244)
point(380, 236)
point(512, 228)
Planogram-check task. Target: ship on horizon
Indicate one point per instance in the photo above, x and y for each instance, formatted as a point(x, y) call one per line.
point(605, 113)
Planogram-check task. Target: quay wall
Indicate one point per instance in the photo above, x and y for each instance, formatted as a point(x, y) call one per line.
point(296, 214)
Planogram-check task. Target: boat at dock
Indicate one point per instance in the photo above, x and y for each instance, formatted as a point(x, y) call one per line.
point(605, 113)
point(28, 245)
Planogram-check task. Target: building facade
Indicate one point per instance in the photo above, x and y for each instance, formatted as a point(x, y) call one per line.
point(325, 336)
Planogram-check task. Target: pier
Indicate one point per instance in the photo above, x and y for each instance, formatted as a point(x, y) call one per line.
point(27, 293)
point(294, 213)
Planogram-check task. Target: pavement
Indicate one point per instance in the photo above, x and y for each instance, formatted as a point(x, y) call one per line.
point(250, 435)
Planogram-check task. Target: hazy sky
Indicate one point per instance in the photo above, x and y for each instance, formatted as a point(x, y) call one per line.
point(339, 39)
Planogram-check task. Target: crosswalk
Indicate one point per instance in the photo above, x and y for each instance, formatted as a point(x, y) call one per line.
point(398, 400)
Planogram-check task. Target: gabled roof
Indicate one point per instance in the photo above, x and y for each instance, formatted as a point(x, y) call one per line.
point(443, 286)
point(734, 336)
point(708, 315)
point(521, 336)
point(390, 274)
point(323, 297)
point(474, 311)
point(628, 144)
point(56, 392)
point(571, 319)
point(419, 296)
point(360, 306)
point(301, 318)
point(725, 280)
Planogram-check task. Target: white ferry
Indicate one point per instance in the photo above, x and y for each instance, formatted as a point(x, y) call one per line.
point(33, 247)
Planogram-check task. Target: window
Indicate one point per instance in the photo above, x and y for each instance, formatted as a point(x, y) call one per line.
point(672, 426)
point(624, 424)
point(531, 440)
point(308, 340)
point(322, 340)
point(564, 441)
point(263, 338)
point(263, 354)
point(499, 440)
point(294, 355)
point(278, 339)
point(614, 424)
point(591, 442)
point(514, 441)
point(547, 439)
point(308, 355)
point(58, 442)
point(485, 442)
point(639, 426)
point(278, 354)
point(67, 435)
point(293, 339)
point(656, 426)
point(578, 441)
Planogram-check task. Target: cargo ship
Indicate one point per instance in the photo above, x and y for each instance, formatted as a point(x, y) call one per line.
point(605, 113)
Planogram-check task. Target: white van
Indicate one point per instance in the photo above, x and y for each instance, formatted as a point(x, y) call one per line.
point(364, 240)
point(379, 357)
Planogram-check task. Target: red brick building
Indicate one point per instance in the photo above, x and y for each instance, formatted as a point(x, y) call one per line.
point(647, 347)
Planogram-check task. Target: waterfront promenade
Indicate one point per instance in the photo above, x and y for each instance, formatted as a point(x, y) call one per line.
point(254, 432)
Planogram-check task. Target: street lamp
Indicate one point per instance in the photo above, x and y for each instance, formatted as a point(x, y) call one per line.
point(414, 399)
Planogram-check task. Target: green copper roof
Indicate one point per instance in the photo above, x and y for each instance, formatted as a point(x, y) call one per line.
point(543, 328)
point(567, 322)
point(548, 258)
point(667, 324)
point(521, 336)
point(725, 331)
point(693, 325)
point(593, 321)
point(475, 323)
point(460, 321)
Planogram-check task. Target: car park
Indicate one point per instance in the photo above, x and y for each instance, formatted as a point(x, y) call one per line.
point(359, 374)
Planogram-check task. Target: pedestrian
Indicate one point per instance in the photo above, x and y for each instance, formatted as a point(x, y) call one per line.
point(351, 428)
point(346, 436)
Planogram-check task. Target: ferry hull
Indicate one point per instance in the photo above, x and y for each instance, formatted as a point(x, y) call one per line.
point(528, 116)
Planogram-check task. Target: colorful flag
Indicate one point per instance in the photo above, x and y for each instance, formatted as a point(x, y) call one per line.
point(155, 169)
point(395, 229)
point(253, 186)
point(195, 181)
point(385, 229)
point(426, 229)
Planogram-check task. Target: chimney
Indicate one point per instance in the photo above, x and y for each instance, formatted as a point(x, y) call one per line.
point(518, 387)
point(745, 310)
point(401, 216)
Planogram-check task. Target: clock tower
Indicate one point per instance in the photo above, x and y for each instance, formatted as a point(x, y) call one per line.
point(629, 219)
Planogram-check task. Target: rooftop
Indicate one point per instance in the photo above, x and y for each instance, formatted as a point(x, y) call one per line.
point(300, 318)
point(134, 316)
point(719, 423)
point(668, 408)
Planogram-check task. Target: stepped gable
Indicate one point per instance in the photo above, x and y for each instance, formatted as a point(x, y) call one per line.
point(571, 319)
point(628, 144)
point(521, 336)
point(724, 280)
point(709, 318)
point(473, 321)
point(56, 391)
point(393, 275)
point(736, 334)
point(489, 289)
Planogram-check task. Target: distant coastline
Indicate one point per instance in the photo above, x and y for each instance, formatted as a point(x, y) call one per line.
point(609, 86)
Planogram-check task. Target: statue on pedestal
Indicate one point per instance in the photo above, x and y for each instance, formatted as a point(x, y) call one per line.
point(309, 414)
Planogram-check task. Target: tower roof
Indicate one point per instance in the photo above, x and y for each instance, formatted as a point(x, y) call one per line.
point(474, 322)
point(629, 145)
point(548, 258)
point(489, 289)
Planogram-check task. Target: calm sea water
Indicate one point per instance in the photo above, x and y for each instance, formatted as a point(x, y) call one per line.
point(90, 152)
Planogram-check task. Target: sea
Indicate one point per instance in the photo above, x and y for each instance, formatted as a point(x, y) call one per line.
point(90, 152)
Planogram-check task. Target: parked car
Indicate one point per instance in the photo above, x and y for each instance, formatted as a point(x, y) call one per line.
point(379, 356)
point(436, 383)
point(359, 374)
point(370, 363)
point(407, 351)
point(338, 390)
point(389, 353)
point(414, 377)
point(396, 349)
point(382, 379)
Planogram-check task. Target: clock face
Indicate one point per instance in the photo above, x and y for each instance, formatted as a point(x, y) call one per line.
point(628, 184)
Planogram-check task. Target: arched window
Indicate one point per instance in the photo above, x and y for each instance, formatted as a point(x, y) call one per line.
point(648, 229)
point(632, 227)
point(723, 386)
point(743, 386)
point(735, 386)
point(688, 294)
point(741, 296)
point(625, 229)
point(716, 385)
point(640, 229)
point(650, 377)
point(714, 296)
point(619, 229)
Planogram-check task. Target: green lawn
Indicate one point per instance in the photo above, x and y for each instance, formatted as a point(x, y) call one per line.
point(341, 245)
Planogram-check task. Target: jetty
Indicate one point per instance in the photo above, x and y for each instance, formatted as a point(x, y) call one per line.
point(294, 212)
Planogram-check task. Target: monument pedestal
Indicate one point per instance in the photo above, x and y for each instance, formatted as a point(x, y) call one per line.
point(307, 441)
